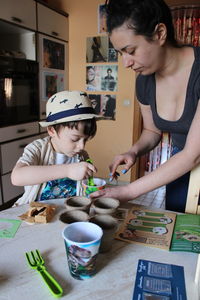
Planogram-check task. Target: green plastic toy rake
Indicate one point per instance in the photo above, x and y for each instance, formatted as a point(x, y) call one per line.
point(36, 262)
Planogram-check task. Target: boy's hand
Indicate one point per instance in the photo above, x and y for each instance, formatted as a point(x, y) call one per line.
point(81, 170)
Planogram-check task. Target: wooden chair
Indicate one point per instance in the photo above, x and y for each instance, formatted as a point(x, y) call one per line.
point(192, 205)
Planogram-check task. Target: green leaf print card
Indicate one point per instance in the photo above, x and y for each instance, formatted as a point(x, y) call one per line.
point(186, 236)
point(8, 227)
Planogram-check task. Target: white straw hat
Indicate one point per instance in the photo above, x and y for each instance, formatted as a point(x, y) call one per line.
point(68, 106)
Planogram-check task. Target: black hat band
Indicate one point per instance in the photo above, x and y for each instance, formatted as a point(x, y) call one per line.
point(69, 113)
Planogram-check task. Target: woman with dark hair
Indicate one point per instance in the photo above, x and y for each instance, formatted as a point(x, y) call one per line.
point(168, 90)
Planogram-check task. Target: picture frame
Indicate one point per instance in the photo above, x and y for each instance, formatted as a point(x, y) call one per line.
point(99, 49)
point(52, 53)
point(102, 27)
point(104, 105)
point(52, 70)
point(102, 78)
point(53, 83)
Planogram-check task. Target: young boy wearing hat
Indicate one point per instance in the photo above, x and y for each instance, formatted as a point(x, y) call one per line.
point(53, 167)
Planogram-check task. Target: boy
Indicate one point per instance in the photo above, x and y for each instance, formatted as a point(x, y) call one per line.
point(52, 167)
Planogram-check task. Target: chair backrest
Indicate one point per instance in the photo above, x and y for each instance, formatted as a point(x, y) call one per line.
point(192, 205)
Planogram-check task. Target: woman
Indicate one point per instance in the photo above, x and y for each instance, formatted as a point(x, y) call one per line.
point(168, 90)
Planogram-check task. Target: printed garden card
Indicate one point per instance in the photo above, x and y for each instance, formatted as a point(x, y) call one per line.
point(148, 227)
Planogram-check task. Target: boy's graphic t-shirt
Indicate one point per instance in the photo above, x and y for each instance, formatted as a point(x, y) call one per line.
point(60, 188)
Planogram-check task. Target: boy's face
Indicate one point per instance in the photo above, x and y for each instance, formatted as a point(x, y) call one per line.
point(68, 141)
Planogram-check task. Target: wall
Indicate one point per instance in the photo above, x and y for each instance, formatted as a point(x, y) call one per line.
point(113, 137)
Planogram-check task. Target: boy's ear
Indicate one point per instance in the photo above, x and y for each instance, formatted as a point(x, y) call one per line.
point(160, 33)
point(51, 131)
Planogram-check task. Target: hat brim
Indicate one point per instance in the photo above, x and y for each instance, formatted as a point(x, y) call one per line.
point(72, 118)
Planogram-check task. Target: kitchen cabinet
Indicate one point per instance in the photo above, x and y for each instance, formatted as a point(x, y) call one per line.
point(27, 25)
point(20, 12)
point(10, 153)
point(17, 41)
point(52, 49)
point(52, 23)
point(18, 131)
point(52, 41)
point(10, 191)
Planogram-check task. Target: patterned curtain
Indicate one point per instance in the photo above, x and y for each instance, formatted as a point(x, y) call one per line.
point(187, 24)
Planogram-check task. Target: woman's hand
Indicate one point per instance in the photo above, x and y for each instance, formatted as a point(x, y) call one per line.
point(122, 193)
point(127, 159)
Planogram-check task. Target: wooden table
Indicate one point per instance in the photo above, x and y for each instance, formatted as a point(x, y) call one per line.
point(116, 269)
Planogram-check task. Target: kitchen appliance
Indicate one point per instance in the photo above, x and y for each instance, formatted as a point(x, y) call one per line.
point(19, 85)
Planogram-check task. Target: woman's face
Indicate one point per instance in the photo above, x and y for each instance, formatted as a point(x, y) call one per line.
point(137, 53)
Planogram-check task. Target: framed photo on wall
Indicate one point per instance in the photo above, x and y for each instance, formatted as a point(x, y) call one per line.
point(53, 83)
point(53, 54)
point(96, 49)
point(101, 77)
point(100, 49)
point(109, 77)
point(53, 68)
point(102, 27)
point(104, 105)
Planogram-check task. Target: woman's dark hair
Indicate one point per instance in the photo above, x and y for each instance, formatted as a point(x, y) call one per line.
point(140, 15)
point(89, 126)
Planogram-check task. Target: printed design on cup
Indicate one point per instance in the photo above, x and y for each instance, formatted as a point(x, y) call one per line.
point(88, 189)
point(81, 260)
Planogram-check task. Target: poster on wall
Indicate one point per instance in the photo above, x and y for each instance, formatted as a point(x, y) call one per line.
point(112, 53)
point(101, 77)
point(100, 49)
point(109, 76)
point(53, 54)
point(102, 27)
point(53, 83)
point(104, 105)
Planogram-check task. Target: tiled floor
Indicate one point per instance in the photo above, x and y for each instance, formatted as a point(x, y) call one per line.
point(155, 198)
